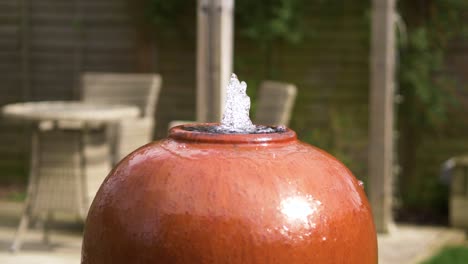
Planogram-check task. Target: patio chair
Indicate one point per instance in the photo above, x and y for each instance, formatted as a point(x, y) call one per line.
point(67, 168)
point(274, 105)
point(70, 162)
point(454, 172)
point(141, 90)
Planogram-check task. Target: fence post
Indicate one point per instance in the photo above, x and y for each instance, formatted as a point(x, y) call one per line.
point(382, 83)
point(214, 57)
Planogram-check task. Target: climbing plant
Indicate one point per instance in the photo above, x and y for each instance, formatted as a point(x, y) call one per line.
point(268, 20)
point(263, 20)
point(427, 88)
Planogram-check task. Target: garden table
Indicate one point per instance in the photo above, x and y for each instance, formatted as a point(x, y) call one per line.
point(59, 176)
point(69, 111)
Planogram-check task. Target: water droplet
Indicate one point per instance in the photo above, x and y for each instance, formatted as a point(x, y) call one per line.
point(361, 184)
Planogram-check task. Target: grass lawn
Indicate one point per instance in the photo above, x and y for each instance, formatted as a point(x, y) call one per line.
point(450, 255)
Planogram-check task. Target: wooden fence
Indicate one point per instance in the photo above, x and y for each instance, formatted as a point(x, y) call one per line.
point(46, 44)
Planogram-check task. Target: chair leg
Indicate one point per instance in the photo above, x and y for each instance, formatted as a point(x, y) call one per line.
point(24, 222)
point(47, 223)
point(22, 228)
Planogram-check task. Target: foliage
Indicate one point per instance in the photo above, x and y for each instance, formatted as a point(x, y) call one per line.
point(268, 20)
point(164, 13)
point(14, 173)
point(16, 196)
point(426, 89)
point(262, 21)
point(164, 16)
point(341, 137)
point(450, 255)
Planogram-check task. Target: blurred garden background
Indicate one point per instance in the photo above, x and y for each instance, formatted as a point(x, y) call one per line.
point(322, 46)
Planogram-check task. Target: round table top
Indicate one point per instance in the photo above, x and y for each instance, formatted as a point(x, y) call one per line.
point(69, 111)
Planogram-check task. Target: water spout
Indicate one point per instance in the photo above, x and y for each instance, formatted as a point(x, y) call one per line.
point(236, 118)
point(236, 112)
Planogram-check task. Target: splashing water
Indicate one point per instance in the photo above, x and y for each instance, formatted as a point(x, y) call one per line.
point(236, 112)
point(236, 118)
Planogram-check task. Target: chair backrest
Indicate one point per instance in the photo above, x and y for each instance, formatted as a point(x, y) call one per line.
point(275, 103)
point(136, 89)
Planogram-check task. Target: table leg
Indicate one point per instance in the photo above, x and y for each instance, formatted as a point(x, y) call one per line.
point(23, 226)
point(112, 136)
point(82, 175)
point(47, 223)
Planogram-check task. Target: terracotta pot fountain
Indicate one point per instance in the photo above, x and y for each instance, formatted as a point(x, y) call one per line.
point(204, 197)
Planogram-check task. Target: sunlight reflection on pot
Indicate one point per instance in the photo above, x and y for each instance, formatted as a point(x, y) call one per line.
point(299, 208)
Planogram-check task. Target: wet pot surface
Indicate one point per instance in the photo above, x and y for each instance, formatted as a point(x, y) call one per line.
point(202, 198)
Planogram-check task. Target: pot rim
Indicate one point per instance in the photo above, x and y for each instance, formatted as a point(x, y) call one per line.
point(182, 133)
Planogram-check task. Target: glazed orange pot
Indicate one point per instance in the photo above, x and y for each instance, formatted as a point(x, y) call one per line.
point(199, 197)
